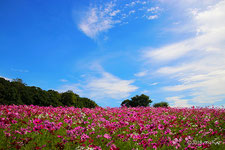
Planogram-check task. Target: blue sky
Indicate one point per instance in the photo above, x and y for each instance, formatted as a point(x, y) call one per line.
point(111, 50)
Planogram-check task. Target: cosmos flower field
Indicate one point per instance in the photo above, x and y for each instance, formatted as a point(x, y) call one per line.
point(35, 127)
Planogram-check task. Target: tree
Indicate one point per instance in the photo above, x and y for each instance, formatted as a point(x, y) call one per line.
point(54, 98)
point(40, 97)
point(3, 90)
point(142, 100)
point(161, 104)
point(68, 98)
point(18, 80)
point(86, 102)
point(18, 93)
point(126, 102)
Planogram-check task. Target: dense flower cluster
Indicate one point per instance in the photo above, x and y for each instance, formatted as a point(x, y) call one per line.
point(35, 127)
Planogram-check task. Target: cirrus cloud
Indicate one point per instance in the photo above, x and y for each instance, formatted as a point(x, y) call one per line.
point(101, 17)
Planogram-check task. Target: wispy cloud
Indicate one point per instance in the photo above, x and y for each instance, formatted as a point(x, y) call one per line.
point(99, 19)
point(72, 87)
point(153, 9)
point(152, 17)
point(170, 52)
point(109, 86)
point(102, 86)
point(141, 74)
point(137, 2)
point(184, 4)
point(131, 12)
point(63, 80)
point(145, 92)
point(20, 70)
point(178, 101)
point(155, 83)
point(102, 17)
point(197, 63)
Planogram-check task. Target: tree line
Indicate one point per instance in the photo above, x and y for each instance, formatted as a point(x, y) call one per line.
point(18, 93)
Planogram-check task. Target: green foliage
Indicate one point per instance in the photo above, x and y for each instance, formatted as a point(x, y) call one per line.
point(18, 93)
point(68, 98)
point(19, 81)
point(126, 103)
point(161, 104)
point(83, 101)
point(54, 98)
point(142, 100)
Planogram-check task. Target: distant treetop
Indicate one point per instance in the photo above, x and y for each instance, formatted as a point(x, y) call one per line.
point(142, 100)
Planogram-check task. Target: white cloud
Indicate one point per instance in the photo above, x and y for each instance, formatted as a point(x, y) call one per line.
point(131, 4)
point(103, 87)
point(114, 13)
point(184, 4)
point(132, 12)
point(102, 17)
point(177, 101)
point(134, 3)
point(73, 87)
point(145, 92)
point(97, 20)
point(63, 80)
point(155, 83)
point(152, 17)
point(20, 70)
point(197, 63)
point(153, 9)
point(141, 74)
point(109, 86)
point(169, 52)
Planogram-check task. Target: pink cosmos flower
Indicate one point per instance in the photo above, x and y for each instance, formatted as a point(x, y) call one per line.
point(84, 137)
point(86, 122)
point(175, 141)
point(216, 122)
point(113, 147)
point(7, 134)
point(160, 127)
point(168, 131)
point(24, 131)
point(149, 140)
point(14, 121)
point(98, 136)
point(188, 138)
point(37, 121)
point(131, 127)
point(107, 136)
point(154, 145)
point(178, 146)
